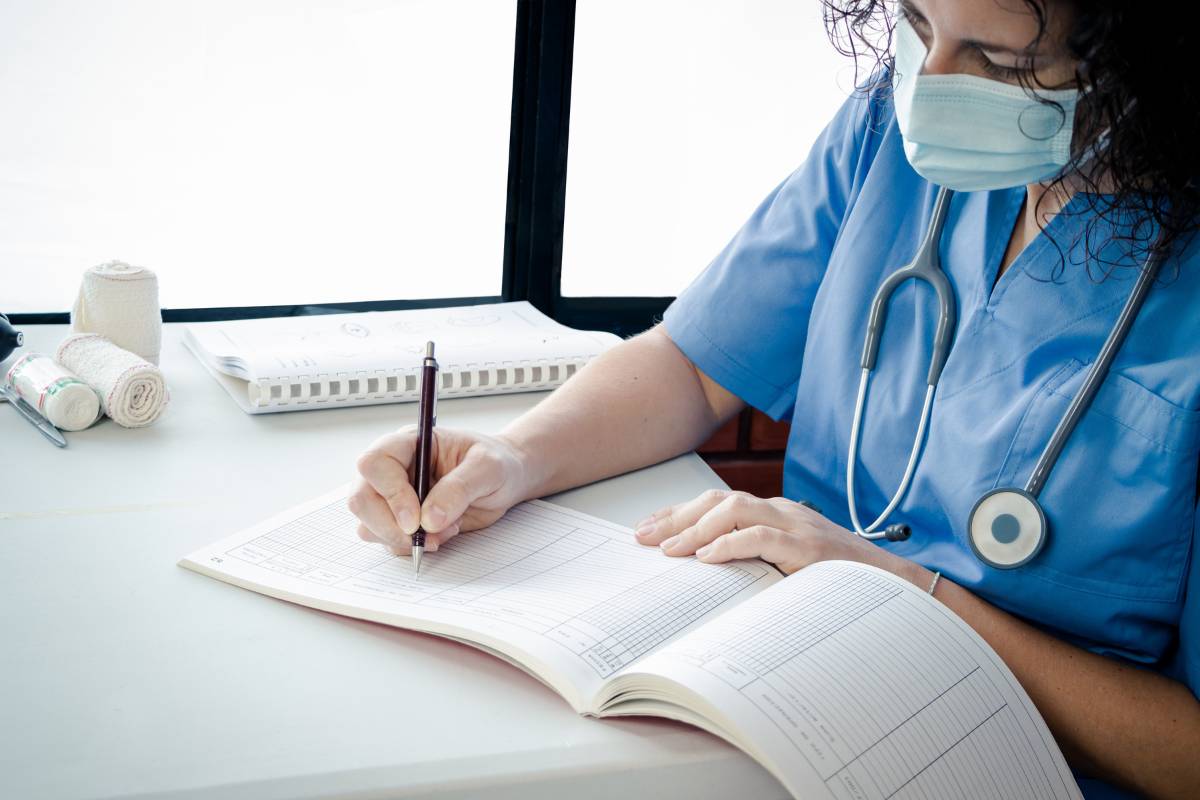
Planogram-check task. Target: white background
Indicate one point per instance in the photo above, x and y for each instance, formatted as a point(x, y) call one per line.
point(685, 114)
point(254, 152)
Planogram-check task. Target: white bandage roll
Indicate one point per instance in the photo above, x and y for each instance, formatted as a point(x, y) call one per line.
point(132, 390)
point(120, 302)
point(58, 394)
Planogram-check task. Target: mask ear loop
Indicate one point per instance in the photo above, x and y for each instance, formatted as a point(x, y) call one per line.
point(1099, 143)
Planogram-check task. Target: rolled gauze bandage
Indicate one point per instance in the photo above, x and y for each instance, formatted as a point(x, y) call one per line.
point(120, 303)
point(60, 396)
point(132, 390)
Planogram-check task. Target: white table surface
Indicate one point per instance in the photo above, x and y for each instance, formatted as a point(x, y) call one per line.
point(122, 674)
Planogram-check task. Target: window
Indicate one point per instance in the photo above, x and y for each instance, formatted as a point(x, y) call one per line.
point(684, 115)
point(255, 152)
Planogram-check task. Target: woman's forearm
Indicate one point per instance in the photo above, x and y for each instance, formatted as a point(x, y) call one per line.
point(1131, 727)
point(639, 403)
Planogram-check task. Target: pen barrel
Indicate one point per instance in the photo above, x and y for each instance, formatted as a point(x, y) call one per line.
point(426, 419)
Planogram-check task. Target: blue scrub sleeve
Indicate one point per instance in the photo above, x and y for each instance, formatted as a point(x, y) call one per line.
point(744, 320)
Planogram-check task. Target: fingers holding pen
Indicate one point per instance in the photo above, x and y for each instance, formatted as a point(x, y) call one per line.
point(433, 541)
point(385, 474)
point(478, 475)
point(476, 480)
point(377, 521)
point(378, 524)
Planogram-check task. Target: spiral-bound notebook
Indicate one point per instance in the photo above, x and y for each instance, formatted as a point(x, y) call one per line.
point(323, 361)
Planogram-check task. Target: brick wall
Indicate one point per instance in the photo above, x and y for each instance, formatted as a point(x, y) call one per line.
point(748, 453)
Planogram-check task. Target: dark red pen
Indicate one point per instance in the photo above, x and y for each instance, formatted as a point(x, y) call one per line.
point(426, 419)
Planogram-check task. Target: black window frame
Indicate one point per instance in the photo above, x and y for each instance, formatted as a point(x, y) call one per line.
point(535, 209)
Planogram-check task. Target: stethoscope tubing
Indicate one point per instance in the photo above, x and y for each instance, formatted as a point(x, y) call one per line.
point(925, 266)
point(1095, 377)
point(871, 531)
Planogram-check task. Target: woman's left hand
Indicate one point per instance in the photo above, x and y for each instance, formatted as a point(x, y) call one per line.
point(723, 525)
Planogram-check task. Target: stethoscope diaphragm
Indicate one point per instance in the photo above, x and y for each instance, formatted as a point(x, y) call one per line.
point(1007, 528)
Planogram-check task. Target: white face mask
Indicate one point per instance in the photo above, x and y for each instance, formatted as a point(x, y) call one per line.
point(969, 133)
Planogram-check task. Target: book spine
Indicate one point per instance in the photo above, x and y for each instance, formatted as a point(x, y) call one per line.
point(378, 386)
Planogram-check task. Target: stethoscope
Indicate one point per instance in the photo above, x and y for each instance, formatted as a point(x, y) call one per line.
point(1007, 526)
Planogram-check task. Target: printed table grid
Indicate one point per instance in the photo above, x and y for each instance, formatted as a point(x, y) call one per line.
point(648, 614)
point(761, 648)
point(535, 569)
point(916, 718)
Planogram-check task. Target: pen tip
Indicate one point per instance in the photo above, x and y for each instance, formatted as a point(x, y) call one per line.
point(429, 349)
point(417, 552)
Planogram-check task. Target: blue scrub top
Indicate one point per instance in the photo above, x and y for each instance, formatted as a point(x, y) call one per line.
point(779, 318)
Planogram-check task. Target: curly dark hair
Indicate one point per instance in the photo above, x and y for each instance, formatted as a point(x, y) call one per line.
point(1137, 69)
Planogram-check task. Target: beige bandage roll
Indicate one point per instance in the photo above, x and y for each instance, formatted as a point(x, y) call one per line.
point(120, 302)
point(132, 390)
point(58, 394)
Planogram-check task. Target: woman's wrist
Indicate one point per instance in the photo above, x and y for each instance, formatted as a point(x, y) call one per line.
point(532, 467)
point(910, 571)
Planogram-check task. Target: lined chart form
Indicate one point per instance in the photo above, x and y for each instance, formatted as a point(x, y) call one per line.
point(873, 692)
point(574, 580)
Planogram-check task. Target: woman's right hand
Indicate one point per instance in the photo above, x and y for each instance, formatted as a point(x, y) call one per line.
point(476, 478)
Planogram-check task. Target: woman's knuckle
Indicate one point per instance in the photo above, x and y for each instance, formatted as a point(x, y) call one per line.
point(392, 493)
point(365, 460)
point(740, 501)
point(454, 489)
point(714, 495)
point(762, 535)
point(489, 459)
point(481, 454)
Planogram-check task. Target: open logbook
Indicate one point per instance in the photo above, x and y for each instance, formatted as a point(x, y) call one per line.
point(842, 680)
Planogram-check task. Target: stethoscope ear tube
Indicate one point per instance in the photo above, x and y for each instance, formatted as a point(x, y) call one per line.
point(926, 265)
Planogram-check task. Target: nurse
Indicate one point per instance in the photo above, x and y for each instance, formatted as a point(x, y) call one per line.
point(1068, 133)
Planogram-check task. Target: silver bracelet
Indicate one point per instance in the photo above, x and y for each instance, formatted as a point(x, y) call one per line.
point(937, 575)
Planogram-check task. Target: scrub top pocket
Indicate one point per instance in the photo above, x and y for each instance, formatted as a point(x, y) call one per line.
point(1121, 500)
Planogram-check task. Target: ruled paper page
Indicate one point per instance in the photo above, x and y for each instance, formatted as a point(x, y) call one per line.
point(575, 591)
point(852, 683)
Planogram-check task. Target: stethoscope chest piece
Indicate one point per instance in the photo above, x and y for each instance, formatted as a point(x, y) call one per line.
point(1007, 528)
